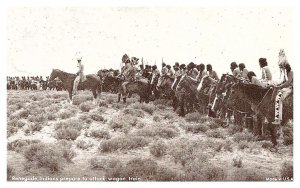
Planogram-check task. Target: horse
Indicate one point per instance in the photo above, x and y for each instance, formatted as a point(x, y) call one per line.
point(188, 86)
point(92, 82)
point(139, 87)
point(110, 84)
point(207, 86)
point(239, 110)
point(164, 86)
point(262, 101)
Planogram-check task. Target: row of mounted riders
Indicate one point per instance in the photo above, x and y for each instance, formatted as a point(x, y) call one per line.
point(249, 104)
point(34, 83)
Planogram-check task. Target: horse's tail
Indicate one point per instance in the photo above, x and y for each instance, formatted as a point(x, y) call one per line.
point(99, 87)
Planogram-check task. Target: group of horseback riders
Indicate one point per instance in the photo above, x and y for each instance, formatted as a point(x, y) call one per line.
point(33, 83)
point(130, 73)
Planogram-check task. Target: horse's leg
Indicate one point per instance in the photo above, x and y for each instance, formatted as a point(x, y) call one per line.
point(272, 130)
point(70, 96)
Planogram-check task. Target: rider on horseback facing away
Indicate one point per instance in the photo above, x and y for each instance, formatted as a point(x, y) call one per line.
point(286, 88)
point(128, 72)
point(80, 76)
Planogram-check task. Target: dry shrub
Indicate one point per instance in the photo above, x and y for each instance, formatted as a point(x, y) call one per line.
point(146, 169)
point(23, 113)
point(78, 99)
point(35, 126)
point(244, 136)
point(10, 172)
point(228, 145)
point(184, 151)
point(44, 155)
point(96, 117)
point(123, 143)
point(149, 108)
point(102, 103)
point(134, 112)
point(266, 144)
point(86, 106)
point(123, 122)
point(65, 148)
point(242, 174)
point(100, 134)
point(193, 117)
point(83, 144)
point(243, 145)
point(51, 116)
point(156, 118)
point(117, 105)
point(215, 133)
point(68, 130)
point(196, 128)
point(18, 145)
point(86, 118)
point(286, 170)
point(203, 170)
point(288, 134)
point(213, 123)
point(163, 102)
point(161, 107)
point(152, 131)
point(166, 174)
point(45, 103)
point(65, 114)
point(37, 118)
point(101, 110)
point(158, 148)
point(237, 161)
point(232, 129)
point(100, 163)
point(168, 115)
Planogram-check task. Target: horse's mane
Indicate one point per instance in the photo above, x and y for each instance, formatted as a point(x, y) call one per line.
point(69, 74)
point(194, 81)
point(253, 91)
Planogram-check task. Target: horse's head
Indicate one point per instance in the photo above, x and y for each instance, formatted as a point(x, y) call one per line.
point(234, 94)
point(181, 83)
point(54, 74)
point(162, 81)
point(205, 82)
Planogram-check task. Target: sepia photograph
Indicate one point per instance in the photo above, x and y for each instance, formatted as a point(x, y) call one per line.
point(149, 93)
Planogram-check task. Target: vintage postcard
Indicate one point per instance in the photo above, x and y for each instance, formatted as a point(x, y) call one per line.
point(150, 93)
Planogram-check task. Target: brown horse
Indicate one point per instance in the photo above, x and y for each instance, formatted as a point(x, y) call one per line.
point(239, 108)
point(140, 87)
point(92, 82)
point(207, 87)
point(194, 98)
point(262, 101)
point(164, 86)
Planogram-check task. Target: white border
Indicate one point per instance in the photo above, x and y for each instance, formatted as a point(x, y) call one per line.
point(135, 3)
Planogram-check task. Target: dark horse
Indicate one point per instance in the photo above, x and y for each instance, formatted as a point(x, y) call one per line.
point(188, 86)
point(92, 82)
point(262, 101)
point(164, 86)
point(140, 87)
point(207, 87)
point(239, 108)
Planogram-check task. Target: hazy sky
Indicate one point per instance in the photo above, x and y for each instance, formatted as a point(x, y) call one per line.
point(40, 39)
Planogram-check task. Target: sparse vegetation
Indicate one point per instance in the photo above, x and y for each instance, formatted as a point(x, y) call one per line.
point(134, 139)
point(100, 134)
point(68, 130)
point(123, 143)
point(158, 148)
point(286, 170)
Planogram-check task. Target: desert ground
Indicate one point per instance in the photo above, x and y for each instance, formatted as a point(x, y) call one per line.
point(49, 139)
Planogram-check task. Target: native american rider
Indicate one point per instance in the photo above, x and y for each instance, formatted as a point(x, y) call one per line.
point(80, 76)
point(286, 88)
point(128, 73)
